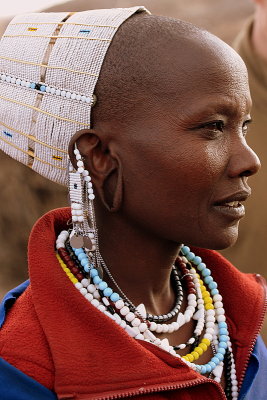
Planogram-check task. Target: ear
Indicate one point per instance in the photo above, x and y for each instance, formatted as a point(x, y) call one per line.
point(103, 165)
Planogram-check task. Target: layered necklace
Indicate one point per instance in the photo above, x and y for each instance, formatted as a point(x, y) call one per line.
point(203, 305)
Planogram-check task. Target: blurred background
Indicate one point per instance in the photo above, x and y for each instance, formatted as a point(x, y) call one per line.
point(25, 196)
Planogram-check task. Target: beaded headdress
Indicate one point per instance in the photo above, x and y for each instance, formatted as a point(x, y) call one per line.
point(49, 66)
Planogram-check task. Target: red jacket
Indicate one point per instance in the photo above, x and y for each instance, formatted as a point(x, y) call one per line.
point(58, 338)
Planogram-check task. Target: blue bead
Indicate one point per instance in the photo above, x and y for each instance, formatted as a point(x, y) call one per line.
point(102, 285)
point(214, 291)
point(215, 359)
point(86, 268)
point(213, 285)
point(33, 85)
point(224, 338)
point(185, 250)
point(82, 256)
point(208, 279)
point(108, 292)
point(78, 251)
point(223, 331)
point(212, 364)
point(84, 262)
point(201, 266)
point(190, 256)
point(197, 260)
point(208, 368)
point(220, 356)
point(223, 345)
point(93, 272)
point(222, 324)
point(97, 280)
point(42, 88)
point(203, 369)
point(206, 272)
point(114, 297)
point(221, 350)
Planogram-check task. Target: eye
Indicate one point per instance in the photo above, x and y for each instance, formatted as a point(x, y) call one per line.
point(214, 126)
point(245, 126)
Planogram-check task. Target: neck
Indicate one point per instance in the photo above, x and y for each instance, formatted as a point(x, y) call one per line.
point(139, 262)
point(259, 32)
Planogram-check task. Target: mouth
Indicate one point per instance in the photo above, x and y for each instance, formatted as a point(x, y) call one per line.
point(232, 205)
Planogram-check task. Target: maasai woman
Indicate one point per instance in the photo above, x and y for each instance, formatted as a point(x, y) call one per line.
point(152, 113)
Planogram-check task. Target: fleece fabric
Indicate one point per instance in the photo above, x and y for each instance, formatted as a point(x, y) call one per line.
point(53, 335)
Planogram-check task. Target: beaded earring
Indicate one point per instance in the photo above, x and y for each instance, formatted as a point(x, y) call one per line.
point(81, 195)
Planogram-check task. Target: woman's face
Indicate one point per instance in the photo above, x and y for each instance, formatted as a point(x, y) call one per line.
point(186, 164)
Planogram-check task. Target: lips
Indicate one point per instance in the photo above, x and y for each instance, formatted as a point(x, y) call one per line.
point(231, 206)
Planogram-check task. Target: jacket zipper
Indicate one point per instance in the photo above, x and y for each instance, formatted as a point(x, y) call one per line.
point(141, 391)
point(261, 280)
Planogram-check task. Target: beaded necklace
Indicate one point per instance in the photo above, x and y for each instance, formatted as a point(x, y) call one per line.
point(204, 304)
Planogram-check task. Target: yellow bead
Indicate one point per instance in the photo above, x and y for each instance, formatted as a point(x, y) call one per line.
point(190, 357)
point(74, 280)
point(66, 270)
point(185, 358)
point(209, 307)
point(205, 294)
point(199, 350)
point(195, 355)
point(203, 346)
point(206, 341)
point(200, 282)
point(208, 300)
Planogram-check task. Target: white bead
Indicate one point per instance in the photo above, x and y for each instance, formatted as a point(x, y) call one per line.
point(153, 326)
point(105, 301)
point(142, 327)
point(170, 328)
point(80, 164)
point(74, 218)
point(91, 235)
point(96, 295)
point(91, 288)
point(18, 81)
point(58, 92)
point(91, 196)
point(85, 282)
point(95, 302)
point(88, 100)
point(85, 173)
point(210, 324)
point(23, 83)
point(218, 304)
point(83, 291)
point(3, 77)
point(8, 79)
point(124, 310)
point(175, 326)
point(208, 336)
point(63, 93)
point(73, 96)
point(68, 95)
point(165, 344)
point(192, 303)
point(59, 245)
point(83, 98)
point(130, 331)
point(87, 178)
point(80, 218)
point(220, 311)
point(52, 90)
point(101, 308)
point(78, 97)
point(78, 212)
point(13, 80)
point(165, 328)
point(180, 319)
point(89, 297)
point(48, 89)
point(210, 330)
point(80, 170)
point(182, 346)
point(197, 331)
point(159, 328)
point(78, 285)
point(78, 156)
point(217, 297)
point(141, 309)
point(210, 312)
point(210, 318)
point(89, 185)
point(123, 323)
point(135, 321)
point(90, 191)
point(120, 303)
point(139, 336)
point(130, 317)
point(76, 151)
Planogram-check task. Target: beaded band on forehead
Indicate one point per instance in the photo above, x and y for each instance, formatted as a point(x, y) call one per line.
point(49, 66)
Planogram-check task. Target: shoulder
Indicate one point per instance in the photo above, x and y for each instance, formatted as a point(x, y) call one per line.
point(22, 342)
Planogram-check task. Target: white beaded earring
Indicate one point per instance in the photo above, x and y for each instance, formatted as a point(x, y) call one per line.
point(82, 209)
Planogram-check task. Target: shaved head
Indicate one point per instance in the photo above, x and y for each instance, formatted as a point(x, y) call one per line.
point(146, 55)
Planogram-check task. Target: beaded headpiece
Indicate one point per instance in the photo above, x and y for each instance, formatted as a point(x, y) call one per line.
point(49, 66)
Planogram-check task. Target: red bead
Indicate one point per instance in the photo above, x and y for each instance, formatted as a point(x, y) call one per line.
point(71, 264)
point(79, 276)
point(74, 270)
point(62, 252)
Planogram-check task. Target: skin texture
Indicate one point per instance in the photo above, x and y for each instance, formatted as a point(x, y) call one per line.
point(164, 151)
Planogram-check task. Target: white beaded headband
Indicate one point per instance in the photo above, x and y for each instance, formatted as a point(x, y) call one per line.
point(49, 66)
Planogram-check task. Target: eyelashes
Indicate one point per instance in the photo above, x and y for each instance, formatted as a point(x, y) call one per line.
point(218, 126)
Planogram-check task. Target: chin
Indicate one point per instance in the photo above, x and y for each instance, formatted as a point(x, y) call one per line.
point(219, 241)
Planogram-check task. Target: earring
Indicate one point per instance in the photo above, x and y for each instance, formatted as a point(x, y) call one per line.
point(81, 195)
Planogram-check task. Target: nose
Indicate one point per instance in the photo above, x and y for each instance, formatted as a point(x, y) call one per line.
point(244, 161)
